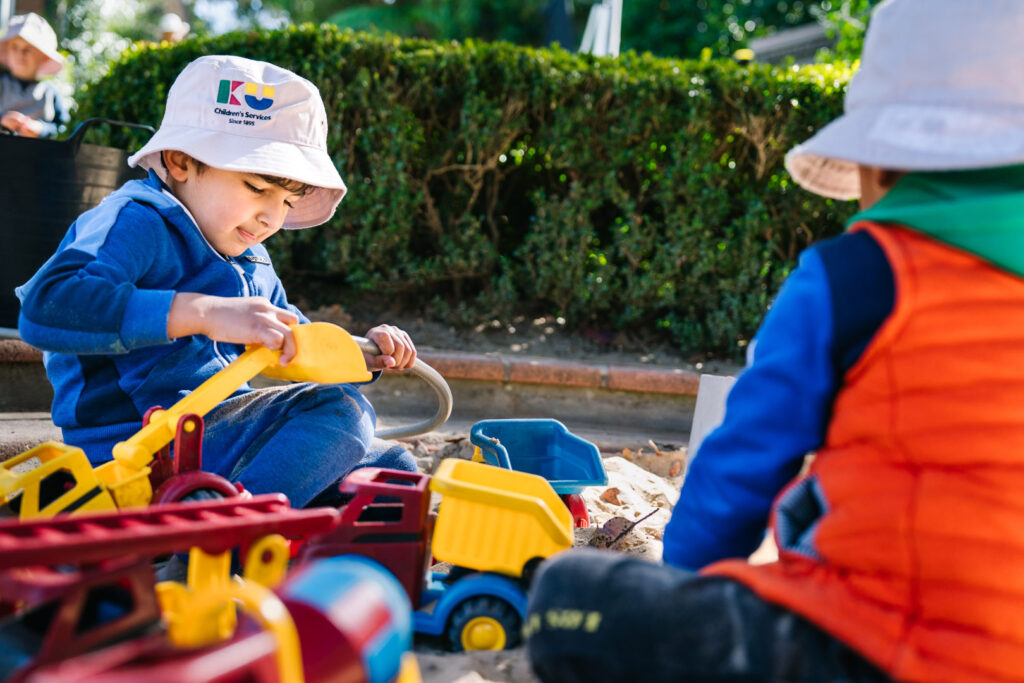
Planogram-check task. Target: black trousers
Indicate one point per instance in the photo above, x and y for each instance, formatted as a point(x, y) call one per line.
point(603, 616)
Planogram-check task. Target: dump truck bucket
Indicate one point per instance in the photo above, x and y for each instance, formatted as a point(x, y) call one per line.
point(496, 520)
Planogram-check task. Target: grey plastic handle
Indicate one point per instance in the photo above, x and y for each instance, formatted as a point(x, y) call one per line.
point(428, 375)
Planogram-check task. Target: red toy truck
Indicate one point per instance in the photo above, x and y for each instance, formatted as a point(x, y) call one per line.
point(82, 603)
point(493, 525)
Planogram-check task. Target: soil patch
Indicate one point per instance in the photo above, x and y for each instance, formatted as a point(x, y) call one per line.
point(544, 336)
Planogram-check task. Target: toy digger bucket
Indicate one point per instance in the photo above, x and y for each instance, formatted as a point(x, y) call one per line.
point(44, 186)
point(325, 353)
point(328, 354)
point(497, 520)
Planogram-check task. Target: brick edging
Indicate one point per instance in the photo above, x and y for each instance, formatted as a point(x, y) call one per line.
point(648, 379)
point(551, 371)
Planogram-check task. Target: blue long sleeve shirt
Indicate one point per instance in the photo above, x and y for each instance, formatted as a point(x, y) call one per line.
point(98, 308)
point(780, 406)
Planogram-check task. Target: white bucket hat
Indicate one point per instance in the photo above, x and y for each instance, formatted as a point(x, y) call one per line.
point(34, 30)
point(940, 88)
point(173, 24)
point(238, 114)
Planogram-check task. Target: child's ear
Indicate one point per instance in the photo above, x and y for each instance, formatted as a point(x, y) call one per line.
point(176, 163)
point(888, 178)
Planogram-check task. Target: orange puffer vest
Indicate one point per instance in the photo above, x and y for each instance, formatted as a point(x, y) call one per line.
point(906, 539)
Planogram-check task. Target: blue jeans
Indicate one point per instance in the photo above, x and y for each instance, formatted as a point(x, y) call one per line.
point(299, 439)
point(598, 615)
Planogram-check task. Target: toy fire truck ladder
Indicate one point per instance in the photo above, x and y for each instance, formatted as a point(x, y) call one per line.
point(214, 526)
point(83, 582)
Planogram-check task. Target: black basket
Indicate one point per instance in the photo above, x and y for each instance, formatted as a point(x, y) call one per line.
point(44, 186)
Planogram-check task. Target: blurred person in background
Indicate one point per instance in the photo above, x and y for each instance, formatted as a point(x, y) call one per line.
point(28, 52)
point(172, 28)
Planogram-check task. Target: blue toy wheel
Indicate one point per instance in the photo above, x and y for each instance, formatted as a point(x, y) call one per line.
point(484, 623)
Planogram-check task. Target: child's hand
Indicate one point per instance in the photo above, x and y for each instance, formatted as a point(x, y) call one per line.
point(21, 124)
point(397, 351)
point(242, 320)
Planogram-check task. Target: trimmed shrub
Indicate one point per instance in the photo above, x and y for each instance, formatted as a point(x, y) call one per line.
point(485, 179)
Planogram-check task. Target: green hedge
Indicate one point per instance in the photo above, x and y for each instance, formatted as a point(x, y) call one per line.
point(486, 179)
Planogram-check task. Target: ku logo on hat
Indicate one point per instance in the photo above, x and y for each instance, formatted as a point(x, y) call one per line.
point(227, 90)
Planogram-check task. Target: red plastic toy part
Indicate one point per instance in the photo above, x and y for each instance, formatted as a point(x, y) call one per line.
point(578, 508)
point(388, 519)
point(179, 486)
point(81, 583)
point(214, 526)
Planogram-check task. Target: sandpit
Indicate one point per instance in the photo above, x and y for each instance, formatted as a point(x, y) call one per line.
point(641, 481)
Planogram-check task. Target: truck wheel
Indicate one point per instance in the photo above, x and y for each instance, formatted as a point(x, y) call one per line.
point(200, 494)
point(484, 623)
point(191, 486)
point(529, 570)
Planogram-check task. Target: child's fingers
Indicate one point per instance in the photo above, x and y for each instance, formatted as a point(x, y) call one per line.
point(286, 316)
point(379, 335)
point(284, 319)
point(288, 348)
point(275, 334)
point(383, 362)
point(271, 338)
point(395, 344)
point(404, 350)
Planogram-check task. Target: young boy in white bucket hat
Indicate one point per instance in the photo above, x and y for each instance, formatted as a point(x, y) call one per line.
point(28, 51)
point(162, 285)
point(896, 353)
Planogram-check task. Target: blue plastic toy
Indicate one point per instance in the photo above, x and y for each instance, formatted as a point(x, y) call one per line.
point(544, 447)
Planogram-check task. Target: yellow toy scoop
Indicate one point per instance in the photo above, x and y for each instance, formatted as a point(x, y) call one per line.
point(325, 353)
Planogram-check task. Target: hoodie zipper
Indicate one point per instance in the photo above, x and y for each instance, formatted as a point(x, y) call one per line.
point(246, 290)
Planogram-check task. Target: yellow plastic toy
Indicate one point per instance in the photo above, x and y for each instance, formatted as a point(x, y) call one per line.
point(199, 618)
point(203, 612)
point(24, 474)
point(482, 507)
point(325, 353)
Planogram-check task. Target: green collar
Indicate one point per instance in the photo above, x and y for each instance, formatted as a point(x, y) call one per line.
point(981, 212)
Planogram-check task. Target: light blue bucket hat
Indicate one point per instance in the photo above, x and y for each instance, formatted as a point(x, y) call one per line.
point(940, 88)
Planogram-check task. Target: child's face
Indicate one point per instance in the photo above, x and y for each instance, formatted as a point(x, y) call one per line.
point(233, 210)
point(22, 59)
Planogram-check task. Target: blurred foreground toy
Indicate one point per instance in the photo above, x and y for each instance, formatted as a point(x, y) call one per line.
point(546, 448)
point(55, 478)
point(493, 525)
point(82, 603)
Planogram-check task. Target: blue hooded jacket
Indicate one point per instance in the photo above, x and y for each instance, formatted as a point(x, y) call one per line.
point(98, 309)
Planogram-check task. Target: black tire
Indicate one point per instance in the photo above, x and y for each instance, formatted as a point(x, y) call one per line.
point(200, 494)
point(487, 612)
point(529, 571)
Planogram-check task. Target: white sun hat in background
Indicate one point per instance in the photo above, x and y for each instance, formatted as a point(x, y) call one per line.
point(940, 88)
point(172, 24)
point(33, 29)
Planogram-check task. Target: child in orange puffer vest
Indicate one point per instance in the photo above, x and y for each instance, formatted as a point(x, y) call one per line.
point(896, 353)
